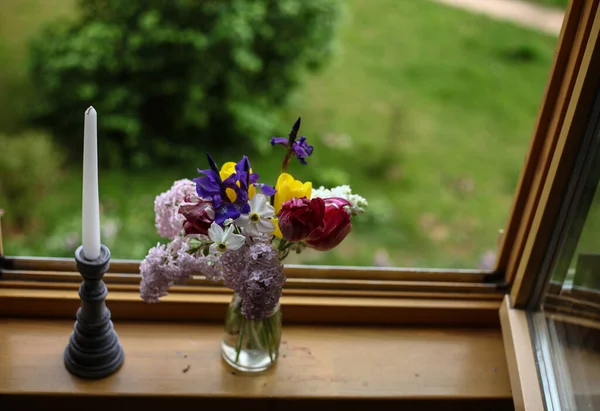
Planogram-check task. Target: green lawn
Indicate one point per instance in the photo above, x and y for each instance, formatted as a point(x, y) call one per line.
point(553, 3)
point(426, 111)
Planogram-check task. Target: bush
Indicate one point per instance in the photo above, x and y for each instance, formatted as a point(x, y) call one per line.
point(29, 166)
point(166, 76)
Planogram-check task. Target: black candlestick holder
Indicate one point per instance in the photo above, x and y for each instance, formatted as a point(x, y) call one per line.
point(94, 350)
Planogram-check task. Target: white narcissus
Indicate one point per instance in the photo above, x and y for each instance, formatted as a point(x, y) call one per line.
point(224, 239)
point(259, 219)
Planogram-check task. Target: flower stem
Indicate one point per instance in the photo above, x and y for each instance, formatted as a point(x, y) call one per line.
point(286, 162)
point(240, 340)
point(268, 338)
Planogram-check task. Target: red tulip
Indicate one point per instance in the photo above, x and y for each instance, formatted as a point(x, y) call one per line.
point(199, 215)
point(336, 226)
point(299, 217)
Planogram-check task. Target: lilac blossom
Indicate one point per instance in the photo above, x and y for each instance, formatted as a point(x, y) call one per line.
point(166, 265)
point(169, 222)
point(255, 273)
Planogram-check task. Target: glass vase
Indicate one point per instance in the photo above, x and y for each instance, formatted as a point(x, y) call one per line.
point(250, 345)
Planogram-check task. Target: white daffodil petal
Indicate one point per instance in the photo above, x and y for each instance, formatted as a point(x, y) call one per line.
point(258, 203)
point(265, 226)
point(251, 230)
point(215, 232)
point(243, 220)
point(267, 212)
point(213, 248)
point(235, 241)
point(227, 233)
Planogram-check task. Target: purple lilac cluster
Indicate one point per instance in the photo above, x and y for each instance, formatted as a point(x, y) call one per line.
point(169, 222)
point(256, 275)
point(166, 265)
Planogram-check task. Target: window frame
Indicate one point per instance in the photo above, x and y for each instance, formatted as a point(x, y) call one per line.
point(41, 287)
point(521, 247)
point(46, 287)
point(574, 84)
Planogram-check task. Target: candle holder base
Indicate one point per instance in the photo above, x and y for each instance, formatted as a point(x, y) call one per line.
point(94, 350)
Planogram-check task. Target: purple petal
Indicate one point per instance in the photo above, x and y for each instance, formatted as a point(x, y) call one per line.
point(241, 194)
point(207, 185)
point(266, 189)
point(302, 150)
point(213, 175)
point(239, 166)
point(217, 200)
point(230, 182)
point(279, 140)
point(213, 165)
point(244, 208)
point(227, 210)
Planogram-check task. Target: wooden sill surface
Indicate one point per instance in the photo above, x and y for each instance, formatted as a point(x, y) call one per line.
point(346, 362)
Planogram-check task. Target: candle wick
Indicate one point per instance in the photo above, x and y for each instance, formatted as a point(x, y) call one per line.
point(89, 111)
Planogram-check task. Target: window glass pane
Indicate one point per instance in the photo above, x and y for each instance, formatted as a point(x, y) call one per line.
point(566, 330)
point(424, 107)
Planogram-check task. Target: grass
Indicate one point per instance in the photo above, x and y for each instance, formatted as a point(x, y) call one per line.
point(553, 3)
point(426, 111)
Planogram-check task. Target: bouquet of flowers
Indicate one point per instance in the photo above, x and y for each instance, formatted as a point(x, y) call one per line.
point(236, 230)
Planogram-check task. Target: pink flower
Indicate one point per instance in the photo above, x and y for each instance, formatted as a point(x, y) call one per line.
point(336, 226)
point(299, 217)
point(199, 215)
point(169, 222)
point(169, 264)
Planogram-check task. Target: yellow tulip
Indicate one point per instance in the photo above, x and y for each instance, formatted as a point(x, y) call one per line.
point(228, 169)
point(288, 188)
point(277, 231)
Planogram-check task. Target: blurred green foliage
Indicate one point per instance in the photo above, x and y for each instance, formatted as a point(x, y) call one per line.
point(168, 76)
point(553, 3)
point(29, 168)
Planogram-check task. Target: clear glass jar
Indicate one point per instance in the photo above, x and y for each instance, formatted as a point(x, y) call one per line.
point(250, 345)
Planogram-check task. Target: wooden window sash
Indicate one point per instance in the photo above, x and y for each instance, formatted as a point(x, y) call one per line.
point(130, 268)
point(518, 347)
point(583, 81)
point(547, 130)
point(38, 287)
point(529, 244)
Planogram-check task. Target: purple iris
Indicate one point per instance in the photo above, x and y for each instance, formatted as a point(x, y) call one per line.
point(242, 176)
point(302, 150)
point(299, 148)
point(211, 187)
point(241, 180)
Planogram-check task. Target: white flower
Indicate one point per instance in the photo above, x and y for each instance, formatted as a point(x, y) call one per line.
point(357, 203)
point(258, 220)
point(223, 240)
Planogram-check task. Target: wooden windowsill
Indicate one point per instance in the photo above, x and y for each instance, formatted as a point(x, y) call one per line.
point(463, 367)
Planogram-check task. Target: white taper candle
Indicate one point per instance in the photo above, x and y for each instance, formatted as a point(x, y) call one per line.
point(90, 224)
